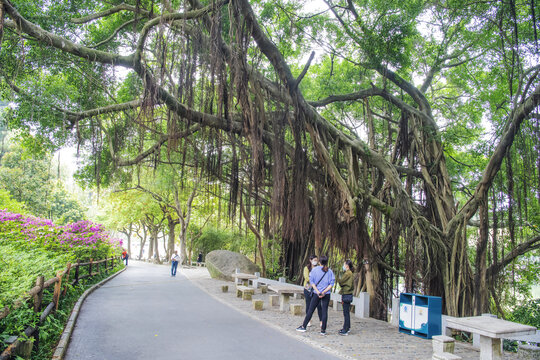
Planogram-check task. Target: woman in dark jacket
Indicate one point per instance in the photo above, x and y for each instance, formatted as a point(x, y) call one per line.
point(346, 282)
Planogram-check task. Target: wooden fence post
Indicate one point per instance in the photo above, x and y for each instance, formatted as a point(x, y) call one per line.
point(77, 272)
point(57, 288)
point(90, 268)
point(68, 270)
point(39, 296)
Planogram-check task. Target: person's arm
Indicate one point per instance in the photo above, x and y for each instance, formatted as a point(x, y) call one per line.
point(331, 282)
point(306, 274)
point(312, 282)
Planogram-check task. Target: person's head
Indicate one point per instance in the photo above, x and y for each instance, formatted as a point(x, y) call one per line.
point(348, 265)
point(313, 261)
point(324, 262)
point(176, 252)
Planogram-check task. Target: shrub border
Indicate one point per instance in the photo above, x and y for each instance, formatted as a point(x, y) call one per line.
point(63, 344)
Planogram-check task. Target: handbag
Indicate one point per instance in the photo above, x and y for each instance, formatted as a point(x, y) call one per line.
point(346, 298)
point(311, 292)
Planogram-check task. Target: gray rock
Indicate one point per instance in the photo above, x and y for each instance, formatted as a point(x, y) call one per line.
point(222, 264)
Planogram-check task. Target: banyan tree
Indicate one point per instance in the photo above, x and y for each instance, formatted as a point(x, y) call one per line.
point(351, 151)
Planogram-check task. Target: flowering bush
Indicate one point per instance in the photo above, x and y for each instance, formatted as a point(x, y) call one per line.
point(31, 246)
point(83, 240)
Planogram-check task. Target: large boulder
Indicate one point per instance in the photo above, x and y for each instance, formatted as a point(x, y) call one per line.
point(222, 264)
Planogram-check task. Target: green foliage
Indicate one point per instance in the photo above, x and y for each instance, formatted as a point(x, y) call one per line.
point(213, 238)
point(527, 313)
point(26, 176)
point(10, 204)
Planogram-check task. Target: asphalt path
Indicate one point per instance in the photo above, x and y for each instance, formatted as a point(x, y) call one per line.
point(144, 313)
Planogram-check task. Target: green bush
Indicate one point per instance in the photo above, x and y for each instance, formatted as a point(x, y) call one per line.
point(527, 313)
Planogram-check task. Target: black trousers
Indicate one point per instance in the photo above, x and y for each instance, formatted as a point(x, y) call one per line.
point(315, 302)
point(307, 297)
point(347, 316)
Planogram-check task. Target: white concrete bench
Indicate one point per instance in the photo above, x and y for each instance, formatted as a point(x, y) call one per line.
point(528, 352)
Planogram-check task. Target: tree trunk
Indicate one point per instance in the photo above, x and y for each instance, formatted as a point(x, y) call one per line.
point(480, 284)
point(156, 244)
point(172, 225)
point(143, 242)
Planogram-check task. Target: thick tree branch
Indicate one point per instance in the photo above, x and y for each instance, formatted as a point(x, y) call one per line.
point(62, 43)
point(113, 10)
point(114, 33)
point(156, 146)
point(496, 158)
point(519, 250)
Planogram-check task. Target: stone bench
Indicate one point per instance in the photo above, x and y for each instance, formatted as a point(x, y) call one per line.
point(528, 352)
point(443, 344)
point(244, 292)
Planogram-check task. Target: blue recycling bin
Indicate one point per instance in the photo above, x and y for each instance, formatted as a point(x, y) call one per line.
point(420, 315)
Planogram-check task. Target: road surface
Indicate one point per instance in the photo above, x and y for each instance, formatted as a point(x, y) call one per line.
point(144, 313)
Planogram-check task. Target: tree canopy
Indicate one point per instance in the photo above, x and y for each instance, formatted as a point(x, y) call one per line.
point(408, 139)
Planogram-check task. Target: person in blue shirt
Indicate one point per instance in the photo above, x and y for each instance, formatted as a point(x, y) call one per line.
point(322, 280)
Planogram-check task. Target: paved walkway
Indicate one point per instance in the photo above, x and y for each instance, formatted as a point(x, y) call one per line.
point(144, 313)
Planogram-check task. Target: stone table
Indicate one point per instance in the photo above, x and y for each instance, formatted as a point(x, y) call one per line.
point(491, 331)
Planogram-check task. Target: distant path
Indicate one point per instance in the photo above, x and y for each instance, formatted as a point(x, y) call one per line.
point(144, 313)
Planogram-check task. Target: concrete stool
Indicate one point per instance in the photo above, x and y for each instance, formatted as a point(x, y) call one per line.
point(246, 295)
point(528, 352)
point(443, 344)
point(224, 288)
point(296, 309)
point(258, 305)
point(445, 356)
point(274, 300)
point(264, 289)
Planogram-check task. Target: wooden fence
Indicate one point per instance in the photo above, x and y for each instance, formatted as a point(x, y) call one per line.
point(23, 347)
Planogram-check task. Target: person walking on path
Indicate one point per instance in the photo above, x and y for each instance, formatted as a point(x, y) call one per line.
point(313, 262)
point(199, 259)
point(346, 282)
point(174, 262)
point(322, 280)
point(125, 256)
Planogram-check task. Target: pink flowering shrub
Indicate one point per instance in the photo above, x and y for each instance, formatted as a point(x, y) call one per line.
point(31, 246)
point(82, 240)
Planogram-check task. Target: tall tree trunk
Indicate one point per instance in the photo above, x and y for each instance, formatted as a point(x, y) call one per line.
point(172, 225)
point(143, 241)
point(257, 235)
point(480, 283)
point(155, 230)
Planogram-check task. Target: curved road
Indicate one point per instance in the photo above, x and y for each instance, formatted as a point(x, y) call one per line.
point(144, 313)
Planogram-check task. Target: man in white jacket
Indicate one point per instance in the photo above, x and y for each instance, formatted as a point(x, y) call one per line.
point(174, 262)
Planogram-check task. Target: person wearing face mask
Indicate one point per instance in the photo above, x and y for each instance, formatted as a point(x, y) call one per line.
point(322, 280)
point(346, 282)
point(312, 263)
